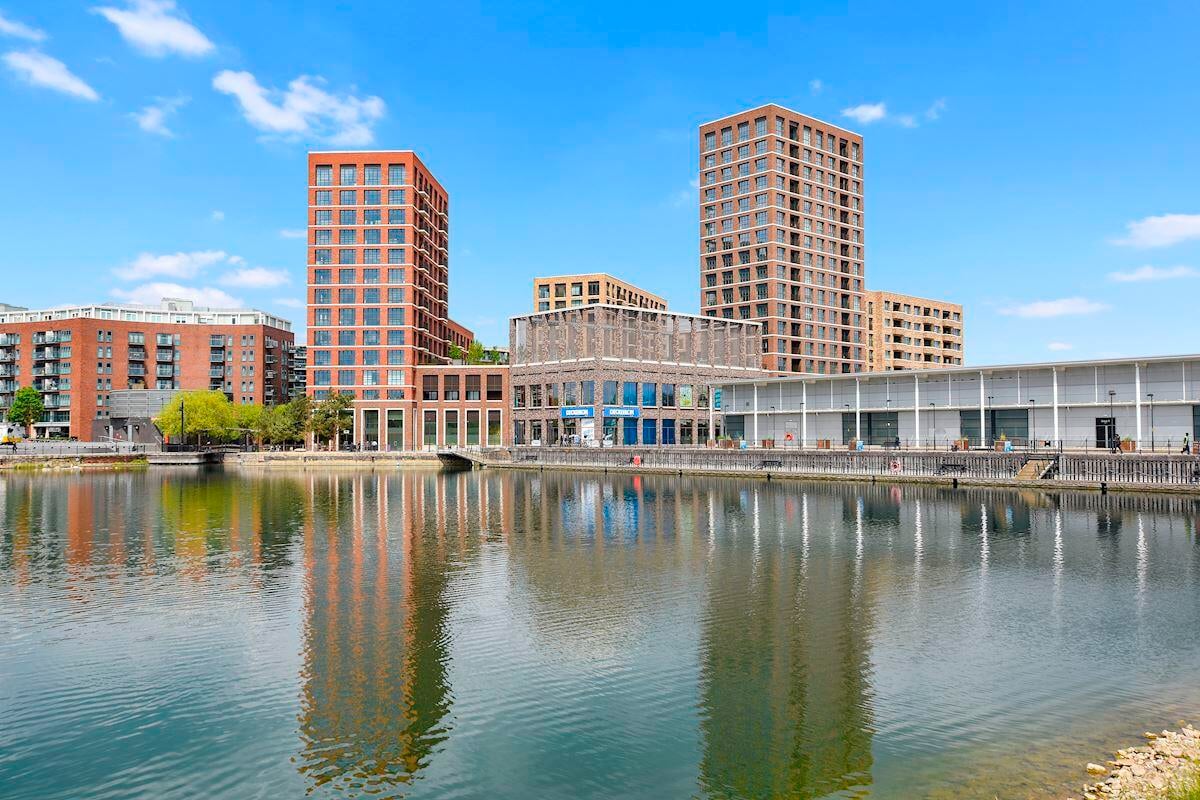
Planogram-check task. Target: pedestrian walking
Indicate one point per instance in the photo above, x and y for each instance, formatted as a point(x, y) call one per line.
point(1187, 445)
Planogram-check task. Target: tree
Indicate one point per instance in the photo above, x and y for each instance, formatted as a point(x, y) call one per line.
point(207, 414)
point(330, 417)
point(250, 420)
point(456, 352)
point(475, 352)
point(287, 423)
point(27, 408)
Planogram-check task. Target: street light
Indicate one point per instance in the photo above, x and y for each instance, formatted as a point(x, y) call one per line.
point(1112, 420)
point(1151, 396)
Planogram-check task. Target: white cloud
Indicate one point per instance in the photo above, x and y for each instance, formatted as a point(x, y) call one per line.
point(934, 112)
point(1067, 306)
point(39, 69)
point(1060, 346)
point(685, 196)
point(149, 27)
point(815, 86)
point(292, 233)
point(217, 216)
point(153, 118)
point(304, 109)
point(255, 278)
point(150, 294)
point(866, 113)
point(173, 265)
point(1161, 231)
point(289, 302)
point(1149, 273)
point(19, 30)
point(906, 120)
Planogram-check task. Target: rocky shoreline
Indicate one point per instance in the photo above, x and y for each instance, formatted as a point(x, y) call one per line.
point(1150, 772)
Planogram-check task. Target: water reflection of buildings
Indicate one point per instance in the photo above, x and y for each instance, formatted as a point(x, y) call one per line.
point(381, 554)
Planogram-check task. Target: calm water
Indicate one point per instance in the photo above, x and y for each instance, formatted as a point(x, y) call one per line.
point(492, 635)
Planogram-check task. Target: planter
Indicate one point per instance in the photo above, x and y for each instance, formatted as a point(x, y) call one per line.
point(1196, 449)
point(824, 444)
point(962, 444)
point(1004, 446)
point(768, 443)
point(1128, 446)
point(711, 443)
point(727, 444)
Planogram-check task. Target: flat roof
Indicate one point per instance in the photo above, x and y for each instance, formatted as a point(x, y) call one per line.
point(809, 377)
point(785, 108)
point(608, 275)
point(639, 309)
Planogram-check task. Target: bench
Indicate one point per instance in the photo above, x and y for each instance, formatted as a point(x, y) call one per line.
point(770, 462)
point(951, 466)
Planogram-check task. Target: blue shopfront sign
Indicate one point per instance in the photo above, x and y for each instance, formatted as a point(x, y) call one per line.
point(716, 399)
point(623, 411)
point(576, 412)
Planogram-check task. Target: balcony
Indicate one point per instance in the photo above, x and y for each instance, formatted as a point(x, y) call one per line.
point(216, 357)
point(216, 373)
point(48, 337)
point(9, 370)
point(165, 371)
point(164, 358)
point(136, 370)
point(46, 353)
point(164, 340)
point(8, 355)
point(9, 339)
point(137, 354)
point(216, 341)
point(46, 369)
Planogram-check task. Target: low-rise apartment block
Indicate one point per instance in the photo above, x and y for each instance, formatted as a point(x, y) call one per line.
point(76, 356)
point(566, 291)
point(907, 332)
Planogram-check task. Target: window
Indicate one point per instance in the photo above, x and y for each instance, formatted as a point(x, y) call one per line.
point(395, 316)
point(346, 257)
point(322, 297)
point(450, 387)
point(587, 393)
point(324, 175)
point(451, 427)
point(430, 428)
point(668, 400)
point(493, 428)
point(608, 394)
point(323, 255)
point(372, 175)
point(324, 197)
point(649, 395)
point(347, 197)
point(346, 316)
point(348, 175)
point(429, 387)
point(495, 387)
point(397, 174)
point(472, 428)
point(396, 256)
point(649, 431)
point(395, 197)
point(629, 393)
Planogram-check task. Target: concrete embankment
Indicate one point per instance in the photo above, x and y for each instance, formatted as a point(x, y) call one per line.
point(44, 462)
point(1046, 471)
point(1160, 770)
point(317, 459)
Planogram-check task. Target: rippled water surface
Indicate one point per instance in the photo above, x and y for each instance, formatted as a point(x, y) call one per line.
point(522, 635)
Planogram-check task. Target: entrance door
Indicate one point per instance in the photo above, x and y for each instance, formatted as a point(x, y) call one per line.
point(1106, 432)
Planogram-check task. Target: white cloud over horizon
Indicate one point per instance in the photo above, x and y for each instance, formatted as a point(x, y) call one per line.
point(255, 278)
point(289, 302)
point(866, 113)
point(38, 69)
point(153, 118)
point(150, 294)
point(150, 28)
point(173, 265)
point(1161, 231)
point(1060, 346)
point(815, 86)
point(20, 30)
point(292, 233)
point(303, 109)
point(1151, 273)
point(1064, 307)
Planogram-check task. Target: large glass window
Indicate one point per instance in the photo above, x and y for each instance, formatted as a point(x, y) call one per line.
point(587, 394)
point(649, 394)
point(629, 393)
point(668, 396)
point(668, 431)
point(629, 431)
point(450, 418)
point(472, 427)
point(395, 429)
point(493, 428)
point(430, 428)
point(553, 397)
point(608, 394)
point(649, 431)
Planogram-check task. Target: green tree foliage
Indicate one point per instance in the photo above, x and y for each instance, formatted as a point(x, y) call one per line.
point(456, 352)
point(208, 415)
point(27, 407)
point(329, 416)
point(287, 423)
point(475, 352)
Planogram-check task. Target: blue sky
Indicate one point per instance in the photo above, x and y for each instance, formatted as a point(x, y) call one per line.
point(1037, 162)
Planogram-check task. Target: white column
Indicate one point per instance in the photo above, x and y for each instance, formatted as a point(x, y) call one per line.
point(917, 410)
point(804, 414)
point(1054, 375)
point(1137, 404)
point(857, 411)
point(712, 433)
point(982, 412)
point(755, 414)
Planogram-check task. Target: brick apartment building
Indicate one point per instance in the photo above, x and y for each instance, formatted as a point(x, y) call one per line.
point(378, 322)
point(907, 332)
point(77, 356)
point(781, 236)
point(565, 291)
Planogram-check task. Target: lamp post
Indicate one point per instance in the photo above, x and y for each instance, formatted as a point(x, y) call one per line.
point(1151, 396)
point(1112, 420)
point(182, 422)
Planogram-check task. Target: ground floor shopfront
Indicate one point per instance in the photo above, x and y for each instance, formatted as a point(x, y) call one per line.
point(1142, 404)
